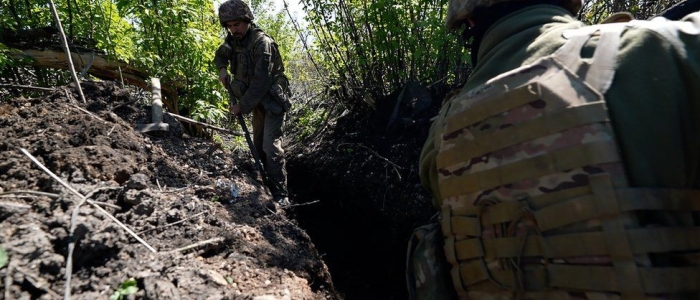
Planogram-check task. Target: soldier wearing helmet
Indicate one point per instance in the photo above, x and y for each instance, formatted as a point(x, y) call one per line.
point(259, 84)
point(568, 166)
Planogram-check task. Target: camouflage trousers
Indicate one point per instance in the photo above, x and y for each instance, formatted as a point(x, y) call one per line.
point(267, 138)
point(427, 270)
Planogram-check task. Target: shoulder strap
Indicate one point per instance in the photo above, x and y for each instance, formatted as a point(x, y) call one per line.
point(600, 70)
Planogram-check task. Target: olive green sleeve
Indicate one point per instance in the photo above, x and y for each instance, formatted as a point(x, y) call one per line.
point(427, 168)
point(221, 56)
point(428, 171)
point(654, 104)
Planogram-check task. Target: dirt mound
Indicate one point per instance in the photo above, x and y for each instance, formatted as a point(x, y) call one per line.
point(167, 190)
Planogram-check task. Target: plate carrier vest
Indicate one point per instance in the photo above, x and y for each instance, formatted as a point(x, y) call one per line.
point(535, 199)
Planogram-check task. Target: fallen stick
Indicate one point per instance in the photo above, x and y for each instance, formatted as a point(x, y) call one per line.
point(28, 87)
point(8, 278)
point(71, 247)
point(95, 205)
point(172, 224)
point(15, 205)
point(196, 245)
point(38, 282)
point(396, 167)
point(31, 192)
point(66, 49)
point(181, 118)
point(302, 204)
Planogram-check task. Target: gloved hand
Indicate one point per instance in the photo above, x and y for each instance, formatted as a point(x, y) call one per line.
point(224, 77)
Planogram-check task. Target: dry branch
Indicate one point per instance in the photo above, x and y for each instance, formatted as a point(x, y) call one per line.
point(95, 205)
point(28, 87)
point(56, 196)
point(172, 224)
point(71, 248)
point(196, 245)
point(205, 125)
point(8, 277)
point(38, 282)
point(396, 167)
point(15, 205)
point(64, 44)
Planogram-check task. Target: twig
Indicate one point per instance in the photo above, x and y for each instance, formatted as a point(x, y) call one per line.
point(38, 282)
point(66, 49)
point(199, 244)
point(276, 213)
point(396, 167)
point(8, 278)
point(436, 82)
point(87, 112)
point(71, 247)
point(31, 192)
point(28, 87)
point(205, 125)
point(158, 183)
point(110, 131)
point(172, 224)
point(302, 204)
point(100, 209)
point(15, 205)
point(105, 204)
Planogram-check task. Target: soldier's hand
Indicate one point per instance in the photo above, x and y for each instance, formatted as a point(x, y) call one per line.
point(224, 77)
point(235, 109)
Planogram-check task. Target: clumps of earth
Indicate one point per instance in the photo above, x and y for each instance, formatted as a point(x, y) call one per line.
point(93, 209)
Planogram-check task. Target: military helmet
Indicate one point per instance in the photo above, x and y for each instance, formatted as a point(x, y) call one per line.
point(233, 10)
point(459, 10)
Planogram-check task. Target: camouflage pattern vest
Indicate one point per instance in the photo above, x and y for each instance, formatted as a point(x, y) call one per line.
point(244, 68)
point(535, 200)
point(243, 58)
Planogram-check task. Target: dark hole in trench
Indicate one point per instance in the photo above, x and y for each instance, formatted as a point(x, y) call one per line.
point(363, 251)
point(360, 226)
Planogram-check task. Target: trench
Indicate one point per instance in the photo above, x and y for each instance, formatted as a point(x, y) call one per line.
point(363, 246)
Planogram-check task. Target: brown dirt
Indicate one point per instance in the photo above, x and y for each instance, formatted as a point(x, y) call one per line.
point(166, 191)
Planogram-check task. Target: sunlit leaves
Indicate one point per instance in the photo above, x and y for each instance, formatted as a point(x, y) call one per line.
point(376, 46)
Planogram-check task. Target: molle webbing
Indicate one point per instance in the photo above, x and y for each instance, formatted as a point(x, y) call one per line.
point(593, 202)
point(532, 183)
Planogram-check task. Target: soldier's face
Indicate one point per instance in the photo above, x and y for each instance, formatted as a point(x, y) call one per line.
point(237, 28)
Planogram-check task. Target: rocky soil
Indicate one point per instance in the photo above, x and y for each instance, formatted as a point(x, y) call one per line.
point(137, 216)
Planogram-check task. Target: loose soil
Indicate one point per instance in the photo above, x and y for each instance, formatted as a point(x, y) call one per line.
point(356, 193)
point(162, 188)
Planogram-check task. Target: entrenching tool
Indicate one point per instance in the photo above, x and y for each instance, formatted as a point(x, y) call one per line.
point(156, 112)
point(251, 146)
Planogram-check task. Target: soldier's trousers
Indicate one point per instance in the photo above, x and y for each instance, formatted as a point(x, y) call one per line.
point(267, 138)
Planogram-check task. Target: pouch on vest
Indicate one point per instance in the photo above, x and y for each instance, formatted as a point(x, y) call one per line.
point(427, 271)
point(280, 92)
point(238, 88)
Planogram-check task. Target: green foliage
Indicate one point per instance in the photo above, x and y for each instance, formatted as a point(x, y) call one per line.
point(3, 258)
point(374, 47)
point(309, 120)
point(128, 287)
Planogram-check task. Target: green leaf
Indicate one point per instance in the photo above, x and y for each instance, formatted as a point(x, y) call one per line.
point(116, 296)
point(3, 258)
point(130, 290)
point(131, 282)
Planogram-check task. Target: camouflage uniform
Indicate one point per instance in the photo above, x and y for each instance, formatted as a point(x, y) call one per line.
point(494, 205)
point(261, 87)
